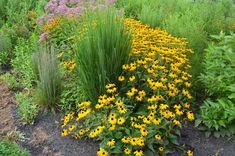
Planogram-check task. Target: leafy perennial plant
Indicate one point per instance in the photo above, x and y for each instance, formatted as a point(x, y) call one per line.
point(144, 114)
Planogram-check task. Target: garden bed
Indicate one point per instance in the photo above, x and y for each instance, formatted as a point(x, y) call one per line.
point(43, 137)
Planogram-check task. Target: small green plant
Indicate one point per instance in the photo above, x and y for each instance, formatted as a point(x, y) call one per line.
point(8, 148)
point(27, 109)
point(71, 95)
point(48, 74)
point(10, 80)
point(102, 50)
point(217, 118)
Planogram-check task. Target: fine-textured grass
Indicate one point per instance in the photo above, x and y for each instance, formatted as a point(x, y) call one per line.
point(103, 49)
point(49, 80)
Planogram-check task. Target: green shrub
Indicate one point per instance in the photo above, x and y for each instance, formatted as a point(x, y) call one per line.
point(217, 118)
point(219, 66)
point(22, 61)
point(48, 75)
point(27, 109)
point(10, 80)
point(102, 51)
point(8, 148)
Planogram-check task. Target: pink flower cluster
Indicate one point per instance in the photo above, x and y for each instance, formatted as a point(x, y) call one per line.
point(69, 7)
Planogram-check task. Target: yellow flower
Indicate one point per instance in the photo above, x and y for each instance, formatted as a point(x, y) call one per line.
point(138, 153)
point(64, 132)
point(161, 149)
point(111, 143)
point(71, 128)
point(112, 120)
point(102, 152)
point(176, 122)
point(121, 78)
point(112, 127)
point(127, 151)
point(126, 140)
point(122, 110)
point(132, 78)
point(157, 121)
point(146, 120)
point(131, 92)
point(158, 137)
point(190, 115)
point(134, 141)
point(81, 132)
point(163, 106)
point(143, 132)
point(121, 120)
point(186, 105)
point(190, 153)
point(119, 103)
point(125, 66)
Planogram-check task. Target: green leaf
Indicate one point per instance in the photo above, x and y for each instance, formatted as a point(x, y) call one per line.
point(208, 133)
point(173, 139)
point(118, 135)
point(149, 153)
point(231, 96)
point(217, 134)
point(128, 132)
point(197, 122)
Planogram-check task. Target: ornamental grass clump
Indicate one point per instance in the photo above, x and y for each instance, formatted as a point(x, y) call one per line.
point(103, 47)
point(48, 77)
point(141, 112)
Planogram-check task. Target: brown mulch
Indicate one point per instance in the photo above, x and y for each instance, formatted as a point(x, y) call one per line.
point(6, 105)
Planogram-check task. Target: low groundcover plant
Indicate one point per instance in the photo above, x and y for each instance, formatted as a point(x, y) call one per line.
point(142, 112)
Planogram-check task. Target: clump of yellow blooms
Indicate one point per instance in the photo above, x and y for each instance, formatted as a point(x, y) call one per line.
point(52, 24)
point(144, 110)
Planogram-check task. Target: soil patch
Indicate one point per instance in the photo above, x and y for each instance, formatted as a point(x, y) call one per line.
point(6, 105)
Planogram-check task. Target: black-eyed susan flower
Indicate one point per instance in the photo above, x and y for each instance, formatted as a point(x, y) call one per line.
point(139, 153)
point(111, 143)
point(121, 120)
point(158, 137)
point(121, 78)
point(161, 149)
point(127, 151)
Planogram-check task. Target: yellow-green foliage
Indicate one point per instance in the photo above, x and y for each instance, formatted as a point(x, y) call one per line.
point(145, 113)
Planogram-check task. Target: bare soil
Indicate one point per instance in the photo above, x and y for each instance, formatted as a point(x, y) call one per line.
point(43, 137)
